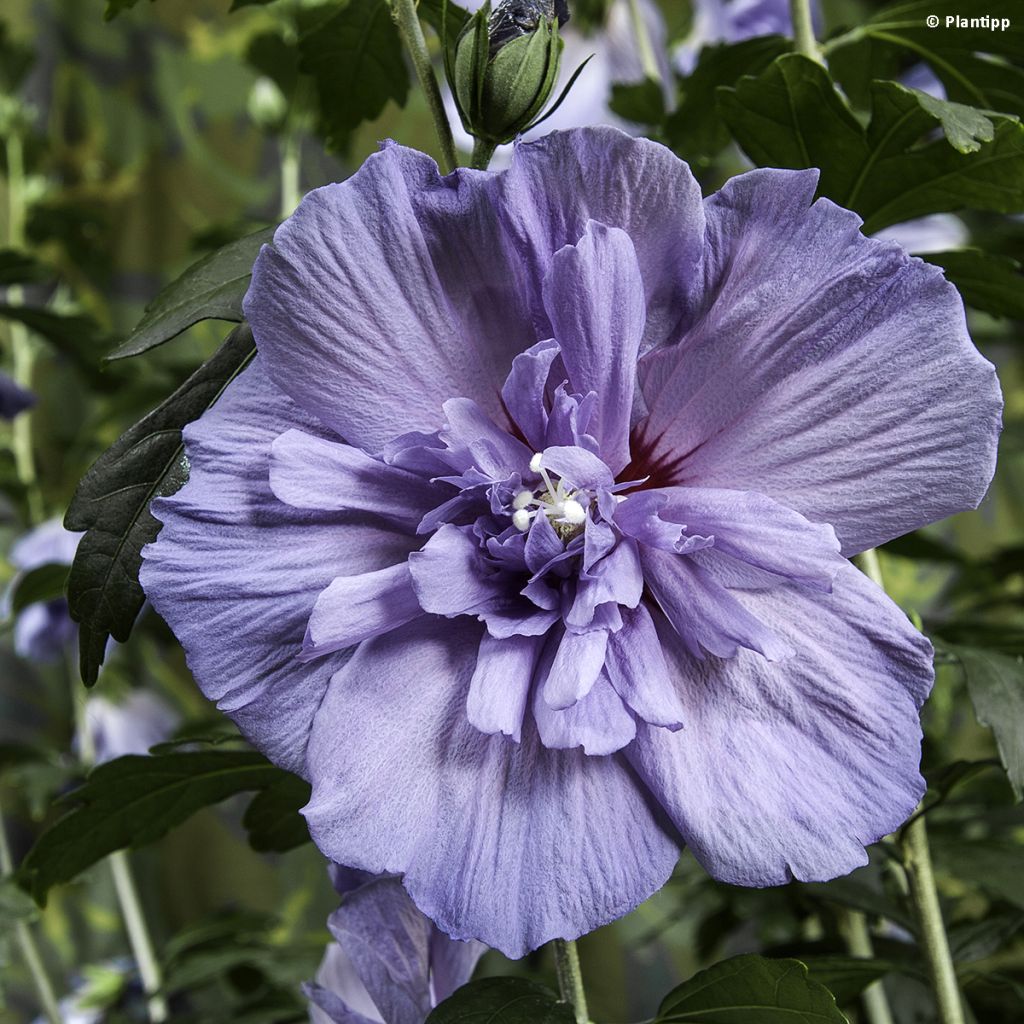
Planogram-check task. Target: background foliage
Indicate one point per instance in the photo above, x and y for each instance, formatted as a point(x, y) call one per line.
point(148, 149)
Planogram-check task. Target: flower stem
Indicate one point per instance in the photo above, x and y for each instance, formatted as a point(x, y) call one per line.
point(21, 344)
point(482, 154)
point(921, 877)
point(648, 61)
point(291, 189)
point(934, 942)
point(570, 978)
point(124, 879)
point(404, 12)
point(27, 942)
point(803, 30)
point(138, 934)
point(858, 941)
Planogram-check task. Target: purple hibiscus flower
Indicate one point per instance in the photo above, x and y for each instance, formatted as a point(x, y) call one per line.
point(14, 399)
point(44, 629)
point(523, 536)
point(388, 964)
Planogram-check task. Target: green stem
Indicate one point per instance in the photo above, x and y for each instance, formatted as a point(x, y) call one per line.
point(921, 877)
point(570, 978)
point(121, 871)
point(482, 154)
point(854, 926)
point(934, 943)
point(803, 30)
point(291, 188)
point(648, 61)
point(27, 943)
point(138, 934)
point(22, 349)
point(408, 22)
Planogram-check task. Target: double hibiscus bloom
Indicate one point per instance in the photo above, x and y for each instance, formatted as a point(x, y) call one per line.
point(524, 538)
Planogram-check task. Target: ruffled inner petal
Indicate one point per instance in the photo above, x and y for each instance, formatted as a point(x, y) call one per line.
point(594, 298)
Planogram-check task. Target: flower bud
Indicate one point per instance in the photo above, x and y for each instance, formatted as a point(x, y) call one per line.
point(268, 106)
point(505, 66)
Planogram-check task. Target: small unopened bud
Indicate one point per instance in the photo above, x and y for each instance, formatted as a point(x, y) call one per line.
point(505, 66)
point(268, 106)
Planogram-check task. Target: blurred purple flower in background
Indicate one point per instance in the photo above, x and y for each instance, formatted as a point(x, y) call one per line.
point(388, 963)
point(130, 725)
point(43, 630)
point(732, 21)
point(523, 537)
point(14, 398)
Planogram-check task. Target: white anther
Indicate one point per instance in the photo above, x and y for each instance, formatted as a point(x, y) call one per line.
point(521, 520)
point(573, 512)
point(535, 462)
point(522, 499)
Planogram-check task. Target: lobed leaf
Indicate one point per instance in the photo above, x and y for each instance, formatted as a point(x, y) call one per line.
point(111, 504)
point(502, 1001)
point(357, 64)
point(792, 116)
point(751, 990)
point(132, 801)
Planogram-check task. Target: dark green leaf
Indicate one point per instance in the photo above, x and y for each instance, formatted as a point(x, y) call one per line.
point(132, 801)
point(942, 783)
point(116, 7)
point(239, 4)
point(455, 16)
point(996, 685)
point(792, 116)
point(17, 267)
point(19, 753)
point(965, 128)
point(991, 283)
point(853, 893)
point(42, 584)
point(847, 976)
point(695, 128)
point(640, 102)
point(355, 58)
point(979, 939)
point(277, 58)
point(502, 1001)
point(273, 820)
point(211, 289)
point(112, 502)
point(751, 990)
point(15, 61)
point(954, 52)
point(73, 335)
point(990, 864)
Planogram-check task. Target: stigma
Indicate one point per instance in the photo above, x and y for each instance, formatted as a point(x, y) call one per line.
point(565, 508)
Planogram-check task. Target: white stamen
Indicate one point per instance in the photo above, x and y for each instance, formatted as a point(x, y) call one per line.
point(521, 520)
point(535, 463)
point(573, 512)
point(522, 499)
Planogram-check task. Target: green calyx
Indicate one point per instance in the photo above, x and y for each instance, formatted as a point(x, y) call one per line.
point(500, 95)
